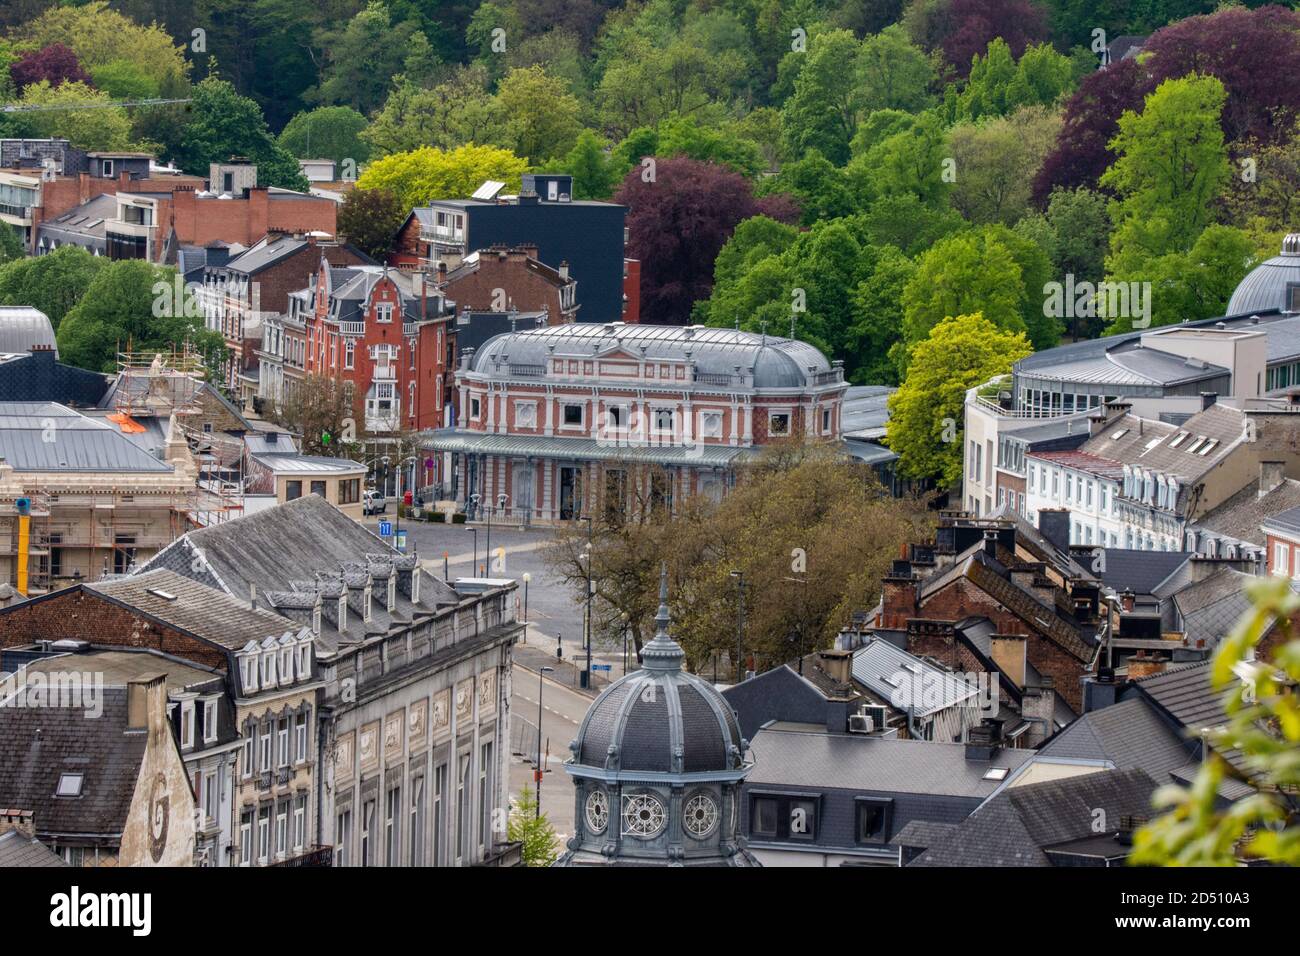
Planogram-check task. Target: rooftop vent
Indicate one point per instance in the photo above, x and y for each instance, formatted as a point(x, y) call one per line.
point(1291, 244)
point(159, 593)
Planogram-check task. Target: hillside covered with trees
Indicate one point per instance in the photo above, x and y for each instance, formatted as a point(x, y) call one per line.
point(868, 170)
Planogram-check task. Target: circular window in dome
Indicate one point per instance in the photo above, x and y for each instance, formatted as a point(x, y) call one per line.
point(700, 815)
point(643, 815)
point(597, 811)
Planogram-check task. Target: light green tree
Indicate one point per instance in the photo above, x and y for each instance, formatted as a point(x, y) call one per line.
point(417, 176)
point(894, 74)
point(996, 161)
point(328, 132)
point(541, 116)
point(822, 112)
point(1171, 164)
point(533, 830)
point(98, 128)
point(1263, 707)
point(925, 414)
point(455, 112)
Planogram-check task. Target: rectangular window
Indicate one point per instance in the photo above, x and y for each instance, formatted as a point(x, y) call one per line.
point(263, 834)
point(211, 795)
point(344, 837)
point(209, 721)
point(573, 414)
point(264, 757)
point(318, 488)
point(1281, 552)
point(778, 423)
point(300, 823)
point(873, 820)
point(350, 354)
point(439, 788)
point(246, 760)
point(782, 817)
point(282, 742)
point(392, 826)
point(292, 490)
point(367, 832)
point(187, 724)
point(417, 822)
point(663, 419)
point(485, 796)
point(300, 738)
point(462, 806)
point(384, 312)
point(282, 830)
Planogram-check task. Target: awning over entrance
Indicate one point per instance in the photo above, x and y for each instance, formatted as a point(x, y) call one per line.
point(582, 449)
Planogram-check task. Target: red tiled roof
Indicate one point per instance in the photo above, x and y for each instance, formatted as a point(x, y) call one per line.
point(1084, 461)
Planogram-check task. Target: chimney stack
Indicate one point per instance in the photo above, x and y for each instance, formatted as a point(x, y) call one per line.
point(837, 665)
point(1271, 475)
point(145, 704)
point(23, 821)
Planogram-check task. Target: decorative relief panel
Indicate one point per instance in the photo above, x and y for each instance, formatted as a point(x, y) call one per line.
point(344, 752)
point(393, 727)
point(465, 699)
point(487, 691)
point(417, 724)
point(368, 745)
point(441, 710)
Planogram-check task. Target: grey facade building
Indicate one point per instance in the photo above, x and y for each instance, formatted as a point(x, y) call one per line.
point(657, 767)
point(412, 752)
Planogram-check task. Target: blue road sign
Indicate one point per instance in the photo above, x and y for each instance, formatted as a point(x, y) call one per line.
point(602, 667)
point(385, 529)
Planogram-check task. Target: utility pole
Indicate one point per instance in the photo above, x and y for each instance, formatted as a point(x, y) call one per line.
point(590, 558)
point(541, 685)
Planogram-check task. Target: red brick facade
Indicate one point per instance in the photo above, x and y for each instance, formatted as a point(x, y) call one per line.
point(79, 614)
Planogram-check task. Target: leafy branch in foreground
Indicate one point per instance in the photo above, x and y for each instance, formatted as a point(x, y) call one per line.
point(1264, 726)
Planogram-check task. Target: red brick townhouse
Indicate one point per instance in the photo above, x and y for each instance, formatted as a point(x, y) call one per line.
point(557, 421)
point(384, 334)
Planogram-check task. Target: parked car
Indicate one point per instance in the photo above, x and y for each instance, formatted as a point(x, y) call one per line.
point(373, 503)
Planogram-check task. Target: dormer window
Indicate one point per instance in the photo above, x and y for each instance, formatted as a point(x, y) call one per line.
point(268, 669)
point(106, 168)
point(384, 312)
point(248, 673)
point(286, 665)
point(187, 724)
point(304, 660)
point(343, 611)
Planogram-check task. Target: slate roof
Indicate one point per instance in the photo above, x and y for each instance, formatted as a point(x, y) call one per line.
point(1083, 461)
point(1210, 608)
point(880, 764)
point(1287, 522)
point(38, 744)
point(18, 850)
point(1130, 734)
point(292, 550)
point(200, 610)
point(1241, 515)
point(1017, 826)
point(923, 833)
point(48, 437)
point(1146, 443)
point(1141, 571)
point(907, 682)
point(1185, 694)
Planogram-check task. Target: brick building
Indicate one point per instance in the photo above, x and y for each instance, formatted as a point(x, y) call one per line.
point(558, 421)
point(153, 218)
point(383, 334)
point(245, 298)
point(585, 234)
point(994, 594)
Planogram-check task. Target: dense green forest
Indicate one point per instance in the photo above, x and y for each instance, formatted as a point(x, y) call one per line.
point(861, 171)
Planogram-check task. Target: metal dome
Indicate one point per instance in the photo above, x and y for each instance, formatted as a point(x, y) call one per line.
point(660, 719)
point(25, 329)
point(1267, 287)
point(778, 363)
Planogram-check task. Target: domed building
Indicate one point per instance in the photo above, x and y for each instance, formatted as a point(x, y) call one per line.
point(657, 768)
point(1273, 285)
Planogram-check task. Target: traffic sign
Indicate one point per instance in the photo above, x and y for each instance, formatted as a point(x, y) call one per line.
point(385, 529)
point(602, 667)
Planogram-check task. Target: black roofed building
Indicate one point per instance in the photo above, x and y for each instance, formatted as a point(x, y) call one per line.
point(823, 799)
point(657, 766)
point(1079, 821)
point(415, 700)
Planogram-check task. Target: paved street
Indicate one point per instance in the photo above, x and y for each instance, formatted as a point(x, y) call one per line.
point(555, 616)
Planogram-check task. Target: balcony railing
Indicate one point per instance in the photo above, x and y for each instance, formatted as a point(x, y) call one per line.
point(352, 328)
point(527, 371)
point(18, 212)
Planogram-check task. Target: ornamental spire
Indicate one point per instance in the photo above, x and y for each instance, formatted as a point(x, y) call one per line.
point(663, 653)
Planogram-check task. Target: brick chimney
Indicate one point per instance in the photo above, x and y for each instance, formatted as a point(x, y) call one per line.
point(23, 821)
point(837, 665)
point(1038, 705)
point(1140, 665)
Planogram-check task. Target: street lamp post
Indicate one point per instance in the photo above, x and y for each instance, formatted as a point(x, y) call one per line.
point(740, 624)
point(527, 577)
point(590, 555)
point(541, 686)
